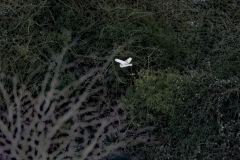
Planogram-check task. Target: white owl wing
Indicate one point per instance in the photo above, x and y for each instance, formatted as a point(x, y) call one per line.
point(125, 65)
point(121, 61)
point(129, 60)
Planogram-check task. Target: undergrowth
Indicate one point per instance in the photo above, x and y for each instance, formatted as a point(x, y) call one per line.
point(185, 74)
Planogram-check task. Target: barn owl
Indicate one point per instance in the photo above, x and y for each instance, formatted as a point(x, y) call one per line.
point(124, 63)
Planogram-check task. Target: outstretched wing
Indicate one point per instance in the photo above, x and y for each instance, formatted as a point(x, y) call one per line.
point(121, 61)
point(125, 65)
point(129, 60)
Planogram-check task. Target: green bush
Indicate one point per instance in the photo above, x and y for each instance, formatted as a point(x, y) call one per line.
point(156, 92)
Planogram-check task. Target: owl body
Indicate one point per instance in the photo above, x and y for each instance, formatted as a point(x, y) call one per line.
point(125, 63)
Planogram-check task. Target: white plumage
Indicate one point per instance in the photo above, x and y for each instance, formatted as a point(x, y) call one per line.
point(124, 63)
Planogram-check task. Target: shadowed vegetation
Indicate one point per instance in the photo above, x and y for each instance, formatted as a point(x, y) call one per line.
point(185, 75)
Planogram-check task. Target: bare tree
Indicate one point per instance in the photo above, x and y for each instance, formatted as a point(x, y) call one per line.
point(59, 123)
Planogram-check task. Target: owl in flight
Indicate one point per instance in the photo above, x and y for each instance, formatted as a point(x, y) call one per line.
point(124, 63)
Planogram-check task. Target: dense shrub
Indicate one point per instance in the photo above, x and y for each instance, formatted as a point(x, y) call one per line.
point(184, 79)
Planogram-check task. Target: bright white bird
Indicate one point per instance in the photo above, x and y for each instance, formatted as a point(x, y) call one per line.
point(124, 63)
